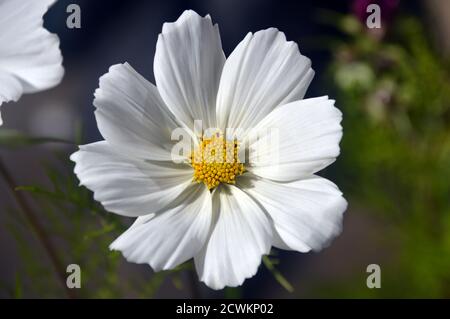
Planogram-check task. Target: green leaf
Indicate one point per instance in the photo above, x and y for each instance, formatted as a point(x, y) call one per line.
point(12, 139)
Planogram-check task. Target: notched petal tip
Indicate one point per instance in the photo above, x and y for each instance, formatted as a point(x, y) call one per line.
point(185, 17)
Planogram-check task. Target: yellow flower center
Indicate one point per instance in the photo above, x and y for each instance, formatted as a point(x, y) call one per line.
point(216, 161)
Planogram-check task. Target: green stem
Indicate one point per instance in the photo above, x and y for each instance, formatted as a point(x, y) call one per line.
point(277, 275)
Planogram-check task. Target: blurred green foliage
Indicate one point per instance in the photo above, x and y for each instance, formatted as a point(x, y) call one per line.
point(11, 139)
point(394, 91)
point(82, 231)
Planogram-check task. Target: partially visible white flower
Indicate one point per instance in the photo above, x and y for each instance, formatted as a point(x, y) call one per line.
point(224, 215)
point(30, 59)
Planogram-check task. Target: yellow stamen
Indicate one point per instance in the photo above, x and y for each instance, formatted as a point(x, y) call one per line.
point(216, 161)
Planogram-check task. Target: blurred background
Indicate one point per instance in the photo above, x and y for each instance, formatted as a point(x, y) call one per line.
point(392, 84)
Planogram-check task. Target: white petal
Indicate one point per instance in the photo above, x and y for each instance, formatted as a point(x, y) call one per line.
point(27, 50)
point(10, 89)
point(127, 186)
point(263, 72)
point(241, 235)
point(132, 116)
point(307, 214)
point(308, 132)
point(171, 237)
point(188, 63)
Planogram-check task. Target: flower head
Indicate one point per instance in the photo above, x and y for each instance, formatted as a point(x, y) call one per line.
point(210, 204)
point(30, 59)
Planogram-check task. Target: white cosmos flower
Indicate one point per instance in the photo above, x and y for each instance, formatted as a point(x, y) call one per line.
point(30, 59)
point(226, 229)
